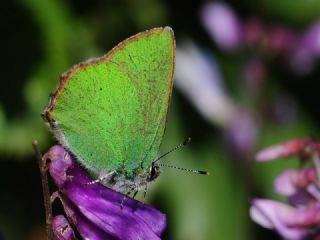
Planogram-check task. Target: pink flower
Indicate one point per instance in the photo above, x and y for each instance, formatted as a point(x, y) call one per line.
point(300, 219)
point(290, 222)
point(291, 148)
point(292, 181)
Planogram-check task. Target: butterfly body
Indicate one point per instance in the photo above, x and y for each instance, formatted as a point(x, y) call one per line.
point(110, 112)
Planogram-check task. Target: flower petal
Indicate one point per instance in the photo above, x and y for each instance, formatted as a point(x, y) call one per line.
point(291, 181)
point(276, 215)
point(100, 205)
point(223, 25)
point(87, 229)
point(62, 229)
point(58, 169)
point(288, 149)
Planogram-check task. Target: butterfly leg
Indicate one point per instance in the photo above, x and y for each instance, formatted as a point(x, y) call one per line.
point(135, 192)
point(123, 199)
point(145, 191)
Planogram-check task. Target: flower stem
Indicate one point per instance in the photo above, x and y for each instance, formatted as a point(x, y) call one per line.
point(45, 189)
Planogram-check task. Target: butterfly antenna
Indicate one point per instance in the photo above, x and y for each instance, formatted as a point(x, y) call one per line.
point(185, 169)
point(184, 143)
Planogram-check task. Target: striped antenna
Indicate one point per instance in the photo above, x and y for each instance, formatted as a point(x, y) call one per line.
point(185, 169)
point(185, 142)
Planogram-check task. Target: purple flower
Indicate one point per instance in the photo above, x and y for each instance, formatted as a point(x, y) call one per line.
point(300, 219)
point(95, 209)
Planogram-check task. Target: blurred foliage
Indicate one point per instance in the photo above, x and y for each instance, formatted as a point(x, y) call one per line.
point(42, 39)
point(298, 12)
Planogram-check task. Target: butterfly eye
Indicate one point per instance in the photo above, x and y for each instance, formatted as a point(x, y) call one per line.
point(154, 172)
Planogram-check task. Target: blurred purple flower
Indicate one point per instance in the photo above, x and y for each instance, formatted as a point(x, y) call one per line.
point(307, 50)
point(242, 134)
point(95, 209)
point(198, 77)
point(254, 75)
point(299, 50)
point(222, 24)
point(253, 33)
point(300, 219)
point(310, 40)
point(281, 40)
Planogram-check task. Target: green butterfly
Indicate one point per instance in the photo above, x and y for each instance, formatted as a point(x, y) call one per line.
point(111, 112)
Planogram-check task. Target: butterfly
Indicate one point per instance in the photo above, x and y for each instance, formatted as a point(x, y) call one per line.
point(111, 112)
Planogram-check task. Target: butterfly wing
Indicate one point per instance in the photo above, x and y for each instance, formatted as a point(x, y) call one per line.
point(111, 112)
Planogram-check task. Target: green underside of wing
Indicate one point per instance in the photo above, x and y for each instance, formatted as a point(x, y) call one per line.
point(113, 113)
